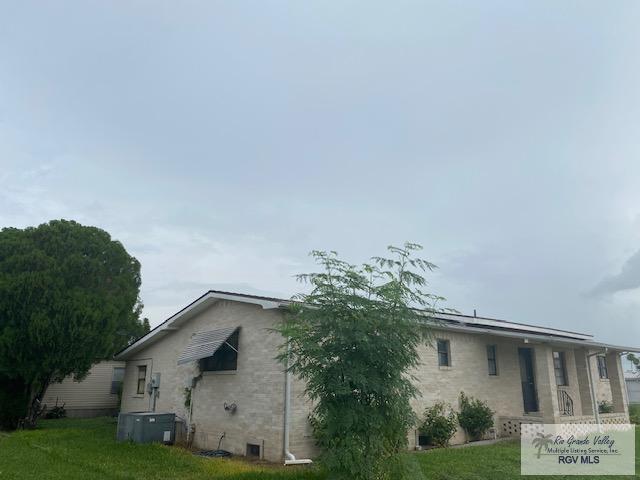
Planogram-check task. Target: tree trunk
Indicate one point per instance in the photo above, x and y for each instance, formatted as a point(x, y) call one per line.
point(35, 408)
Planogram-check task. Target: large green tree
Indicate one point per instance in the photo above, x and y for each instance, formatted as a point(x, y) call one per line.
point(354, 341)
point(69, 297)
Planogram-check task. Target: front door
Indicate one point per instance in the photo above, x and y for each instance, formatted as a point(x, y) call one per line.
point(529, 395)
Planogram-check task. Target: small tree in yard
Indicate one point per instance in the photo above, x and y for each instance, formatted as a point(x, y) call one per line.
point(353, 340)
point(68, 298)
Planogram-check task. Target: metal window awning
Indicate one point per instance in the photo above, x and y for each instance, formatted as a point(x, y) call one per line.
point(205, 344)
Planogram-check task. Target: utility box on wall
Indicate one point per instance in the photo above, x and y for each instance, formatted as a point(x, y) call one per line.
point(147, 427)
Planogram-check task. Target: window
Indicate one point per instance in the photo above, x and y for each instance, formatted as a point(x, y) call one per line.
point(142, 379)
point(444, 356)
point(560, 368)
point(602, 366)
point(492, 360)
point(116, 380)
point(225, 358)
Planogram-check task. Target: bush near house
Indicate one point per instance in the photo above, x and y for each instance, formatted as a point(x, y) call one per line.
point(475, 417)
point(605, 407)
point(438, 425)
point(57, 411)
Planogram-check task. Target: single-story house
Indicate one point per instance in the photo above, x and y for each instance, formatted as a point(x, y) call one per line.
point(213, 365)
point(95, 395)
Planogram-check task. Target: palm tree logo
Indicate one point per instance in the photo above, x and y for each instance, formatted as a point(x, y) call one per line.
point(541, 441)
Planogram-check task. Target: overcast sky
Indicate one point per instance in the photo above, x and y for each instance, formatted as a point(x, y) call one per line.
point(221, 141)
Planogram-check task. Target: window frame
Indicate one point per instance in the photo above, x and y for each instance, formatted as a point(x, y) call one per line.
point(143, 378)
point(603, 369)
point(492, 356)
point(446, 352)
point(560, 366)
point(116, 385)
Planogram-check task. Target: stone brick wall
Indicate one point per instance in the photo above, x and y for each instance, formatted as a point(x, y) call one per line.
point(602, 385)
point(256, 387)
point(469, 372)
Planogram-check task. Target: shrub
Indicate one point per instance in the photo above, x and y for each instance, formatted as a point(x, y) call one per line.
point(475, 416)
point(56, 412)
point(605, 407)
point(439, 426)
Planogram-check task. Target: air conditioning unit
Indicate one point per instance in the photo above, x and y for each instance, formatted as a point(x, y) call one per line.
point(147, 427)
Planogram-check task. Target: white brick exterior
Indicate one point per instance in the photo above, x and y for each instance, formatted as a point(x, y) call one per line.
point(257, 387)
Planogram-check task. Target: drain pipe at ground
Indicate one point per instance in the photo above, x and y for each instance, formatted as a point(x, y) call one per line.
point(289, 458)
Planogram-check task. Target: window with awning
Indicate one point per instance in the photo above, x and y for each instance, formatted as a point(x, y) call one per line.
point(204, 346)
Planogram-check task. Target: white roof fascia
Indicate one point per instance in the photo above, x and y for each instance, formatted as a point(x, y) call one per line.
point(465, 323)
point(536, 338)
point(200, 304)
point(488, 322)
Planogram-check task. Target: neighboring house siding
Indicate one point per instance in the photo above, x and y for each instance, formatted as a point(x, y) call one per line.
point(90, 397)
point(256, 387)
point(633, 389)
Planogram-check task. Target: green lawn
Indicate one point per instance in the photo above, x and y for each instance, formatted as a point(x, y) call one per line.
point(86, 449)
point(500, 461)
point(634, 413)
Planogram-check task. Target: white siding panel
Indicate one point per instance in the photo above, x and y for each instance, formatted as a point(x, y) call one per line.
point(92, 392)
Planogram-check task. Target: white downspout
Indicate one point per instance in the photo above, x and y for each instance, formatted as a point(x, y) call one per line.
point(289, 458)
point(594, 400)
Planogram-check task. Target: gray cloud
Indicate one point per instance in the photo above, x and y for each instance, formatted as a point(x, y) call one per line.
point(627, 279)
point(221, 141)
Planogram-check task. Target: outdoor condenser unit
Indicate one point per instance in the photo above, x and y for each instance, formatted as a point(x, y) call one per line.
point(147, 427)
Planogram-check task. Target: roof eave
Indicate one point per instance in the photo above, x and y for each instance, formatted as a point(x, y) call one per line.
point(195, 307)
point(541, 338)
point(490, 322)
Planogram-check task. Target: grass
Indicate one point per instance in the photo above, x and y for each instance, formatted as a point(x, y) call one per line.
point(500, 461)
point(86, 449)
point(634, 413)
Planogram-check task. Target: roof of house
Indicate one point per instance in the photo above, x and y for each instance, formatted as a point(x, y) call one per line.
point(446, 321)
